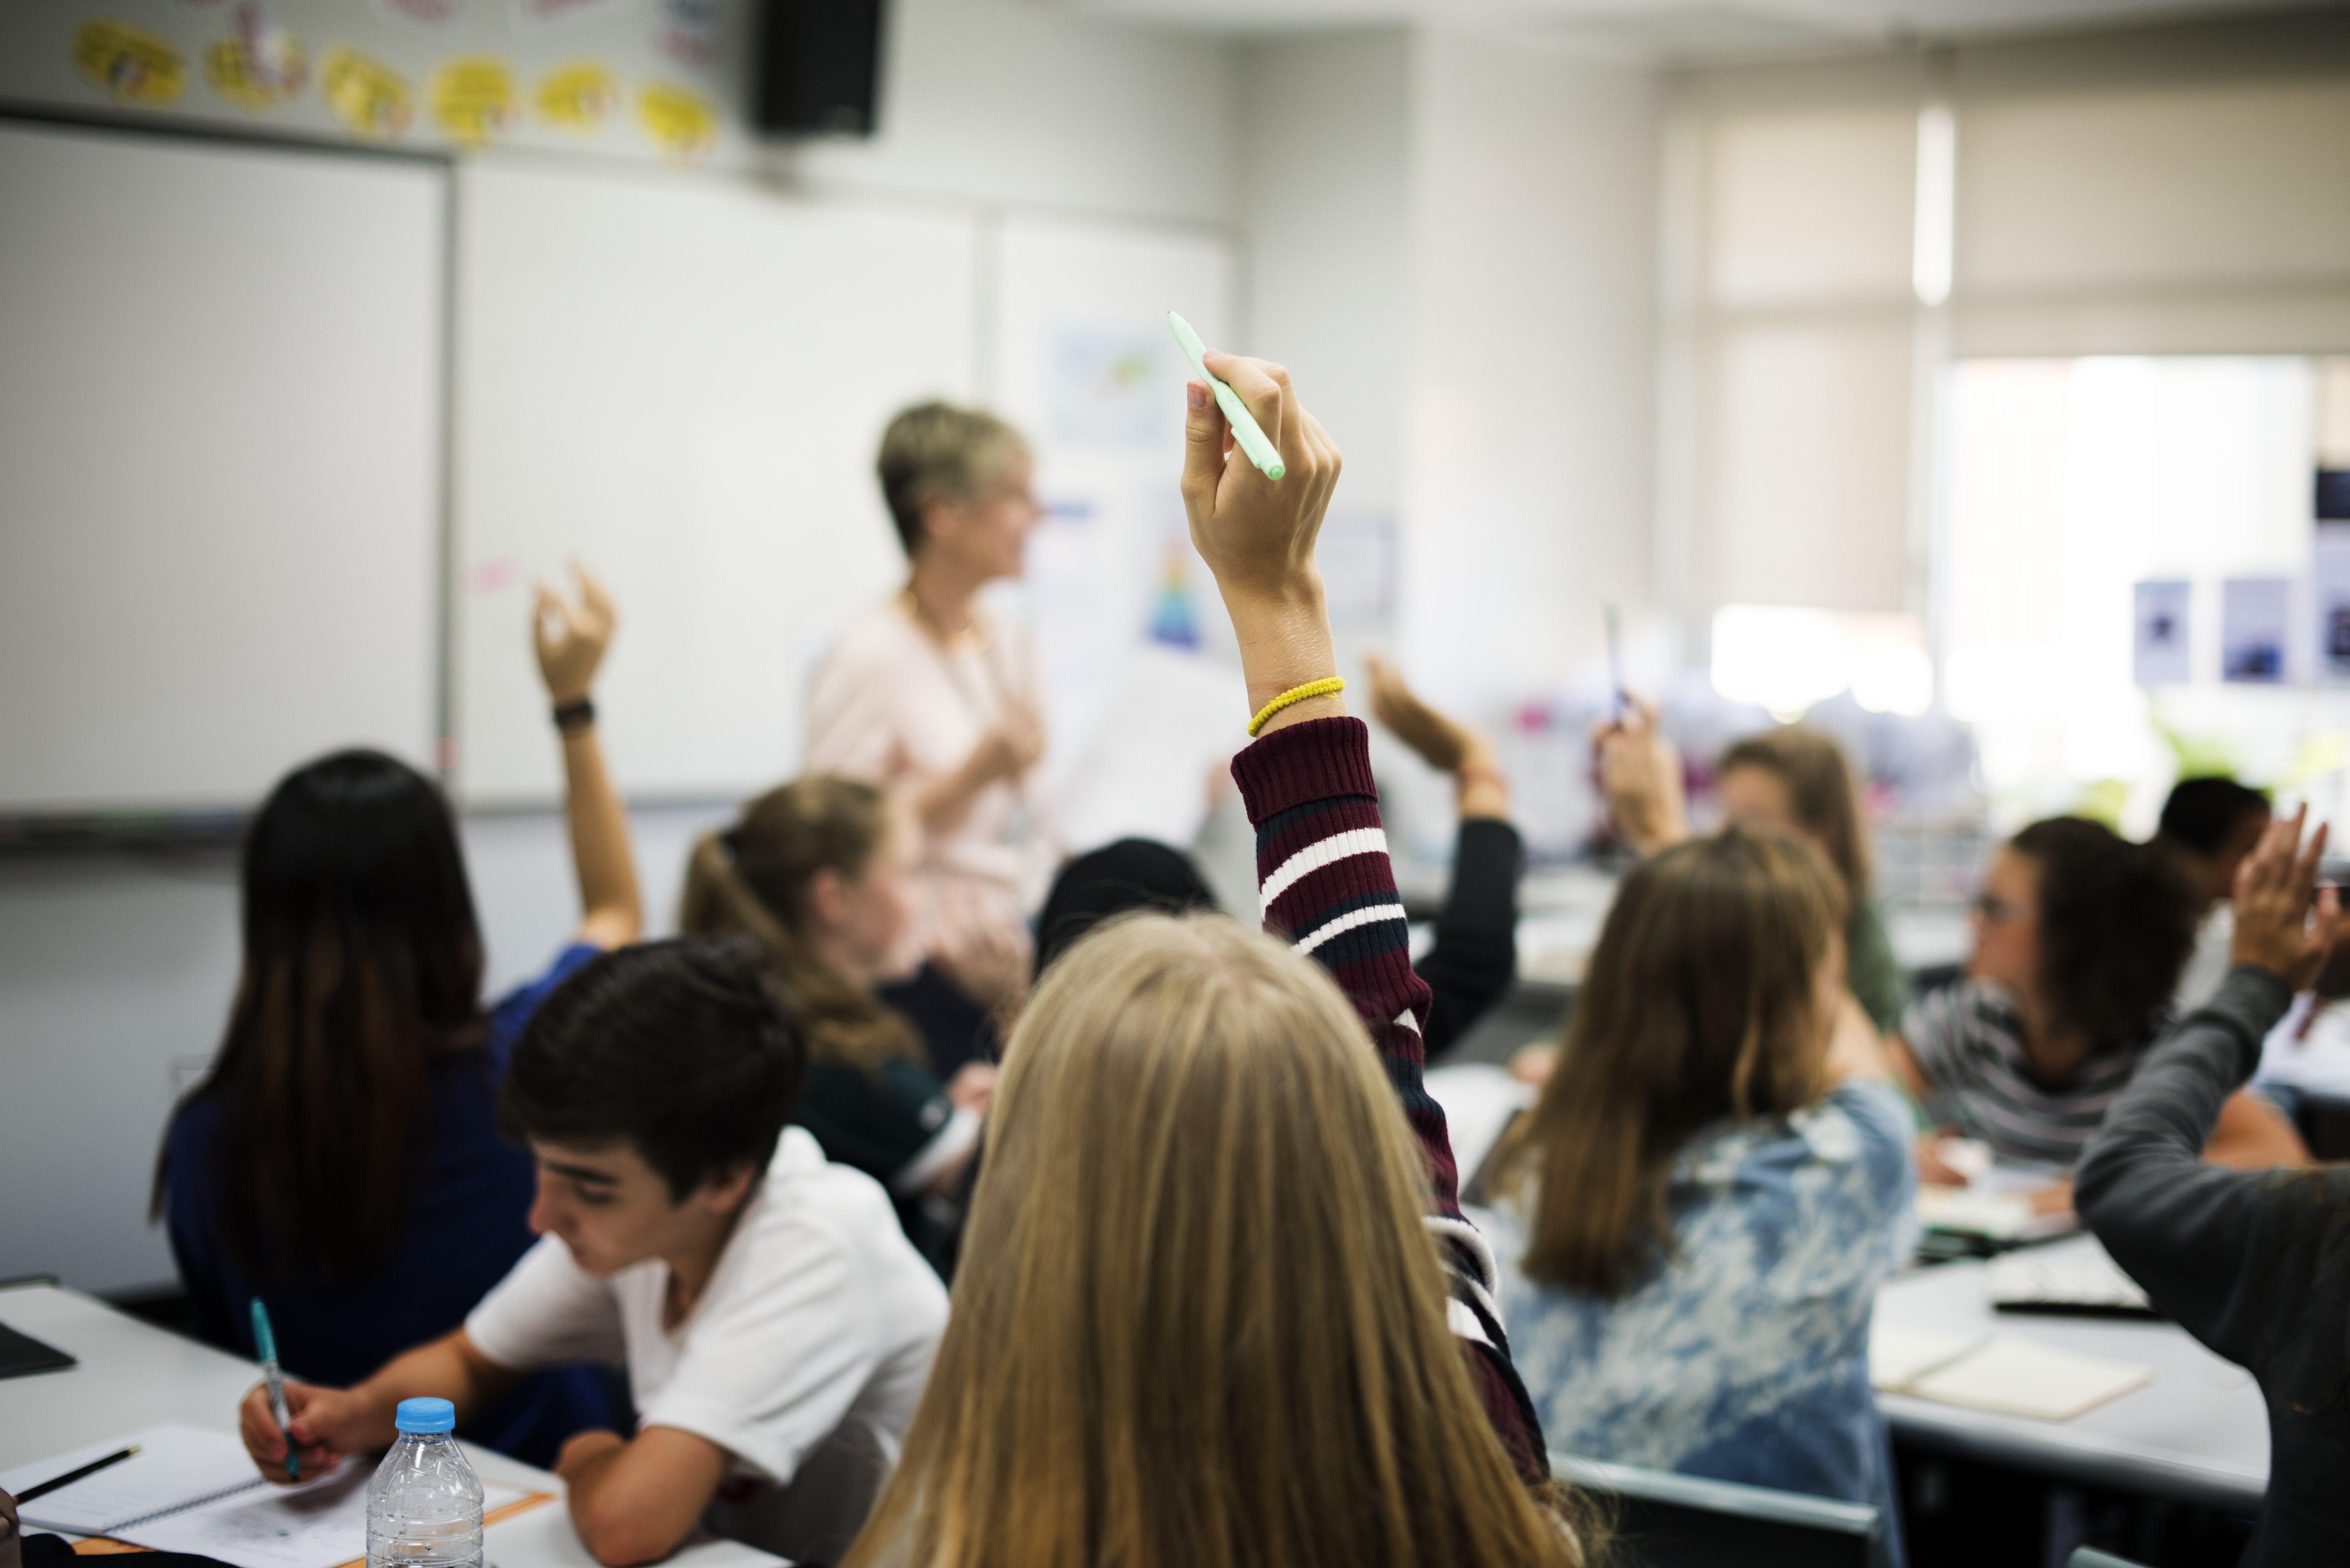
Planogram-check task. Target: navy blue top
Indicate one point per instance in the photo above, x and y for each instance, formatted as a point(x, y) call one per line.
point(468, 1223)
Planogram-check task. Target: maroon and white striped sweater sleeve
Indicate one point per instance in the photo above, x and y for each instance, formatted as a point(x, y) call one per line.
point(1328, 890)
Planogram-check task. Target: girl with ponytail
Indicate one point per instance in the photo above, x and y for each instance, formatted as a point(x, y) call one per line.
point(820, 873)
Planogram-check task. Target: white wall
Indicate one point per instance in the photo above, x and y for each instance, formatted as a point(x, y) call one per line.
point(997, 101)
point(114, 970)
point(1527, 490)
point(1326, 197)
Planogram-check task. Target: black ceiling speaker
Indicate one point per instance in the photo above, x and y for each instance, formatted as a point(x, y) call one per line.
point(819, 66)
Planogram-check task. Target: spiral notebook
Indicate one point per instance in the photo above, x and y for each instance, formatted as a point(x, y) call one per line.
point(187, 1489)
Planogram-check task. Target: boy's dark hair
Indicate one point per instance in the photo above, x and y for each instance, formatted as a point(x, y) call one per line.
point(2201, 812)
point(2116, 925)
point(686, 1049)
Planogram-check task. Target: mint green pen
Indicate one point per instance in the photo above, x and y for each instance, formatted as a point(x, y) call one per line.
point(1245, 429)
point(264, 1346)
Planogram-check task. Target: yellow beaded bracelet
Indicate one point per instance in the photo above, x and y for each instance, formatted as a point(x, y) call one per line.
point(1324, 687)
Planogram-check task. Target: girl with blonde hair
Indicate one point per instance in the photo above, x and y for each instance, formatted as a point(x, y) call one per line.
point(1217, 1305)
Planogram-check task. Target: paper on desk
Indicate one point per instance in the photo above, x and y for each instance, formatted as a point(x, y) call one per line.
point(189, 1490)
point(318, 1525)
point(2001, 1215)
point(176, 1466)
point(2013, 1375)
point(1896, 1358)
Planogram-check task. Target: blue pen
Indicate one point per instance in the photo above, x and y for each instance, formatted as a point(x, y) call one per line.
point(264, 1345)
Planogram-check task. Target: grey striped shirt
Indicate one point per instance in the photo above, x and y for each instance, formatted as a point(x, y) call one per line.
point(1968, 1040)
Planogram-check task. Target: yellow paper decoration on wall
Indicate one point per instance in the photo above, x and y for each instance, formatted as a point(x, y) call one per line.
point(474, 99)
point(235, 74)
point(681, 123)
point(580, 98)
point(368, 96)
point(131, 64)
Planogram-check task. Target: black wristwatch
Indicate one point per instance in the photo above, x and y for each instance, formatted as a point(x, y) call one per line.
point(572, 717)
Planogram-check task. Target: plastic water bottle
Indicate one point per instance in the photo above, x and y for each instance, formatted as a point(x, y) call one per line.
point(424, 1503)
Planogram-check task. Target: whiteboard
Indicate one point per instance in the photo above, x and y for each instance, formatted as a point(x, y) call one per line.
point(1137, 725)
point(681, 380)
point(221, 406)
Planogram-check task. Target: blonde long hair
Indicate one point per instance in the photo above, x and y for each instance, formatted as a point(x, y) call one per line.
point(753, 878)
point(1199, 1321)
point(1700, 1002)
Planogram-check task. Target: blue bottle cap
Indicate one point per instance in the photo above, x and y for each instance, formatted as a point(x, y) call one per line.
point(425, 1415)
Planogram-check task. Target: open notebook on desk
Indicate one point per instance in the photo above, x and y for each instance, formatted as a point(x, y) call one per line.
point(187, 1489)
point(2004, 1372)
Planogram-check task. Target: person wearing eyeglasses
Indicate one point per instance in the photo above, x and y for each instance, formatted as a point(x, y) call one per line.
point(2079, 939)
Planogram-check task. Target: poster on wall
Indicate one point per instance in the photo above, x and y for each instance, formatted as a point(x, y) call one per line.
point(2158, 653)
point(653, 79)
point(2330, 580)
point(2255, 614)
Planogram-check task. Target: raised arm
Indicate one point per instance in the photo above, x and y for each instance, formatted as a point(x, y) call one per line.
point(2227, 1252)
point(1321, 857)
point(1475, 955)
point(1322, 860)
point(571, 641)
point(1641, 775)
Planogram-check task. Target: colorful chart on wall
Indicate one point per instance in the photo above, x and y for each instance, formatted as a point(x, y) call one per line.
point(1126, 617)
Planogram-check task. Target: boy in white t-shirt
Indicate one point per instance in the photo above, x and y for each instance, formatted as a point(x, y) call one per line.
point(776, 1325)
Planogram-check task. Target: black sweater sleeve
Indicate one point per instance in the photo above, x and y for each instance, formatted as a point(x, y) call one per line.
point(2224, 1251)
point(1475, 956)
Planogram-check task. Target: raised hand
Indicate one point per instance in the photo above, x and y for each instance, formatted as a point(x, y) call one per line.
point(1641, 775)
point(2277, 927)
point(571, 638)
point(1442, 743)
point(1257, 534)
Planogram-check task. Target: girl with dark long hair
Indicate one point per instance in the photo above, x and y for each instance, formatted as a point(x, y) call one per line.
point(341, 1161)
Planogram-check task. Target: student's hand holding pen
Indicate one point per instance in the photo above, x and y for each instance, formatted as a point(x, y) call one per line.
point(1257, 534)
point(1640, 775)
point(327, 1423)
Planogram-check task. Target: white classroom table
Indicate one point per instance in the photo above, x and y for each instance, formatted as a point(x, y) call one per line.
point(2198, 1433)
point(132, 1374)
